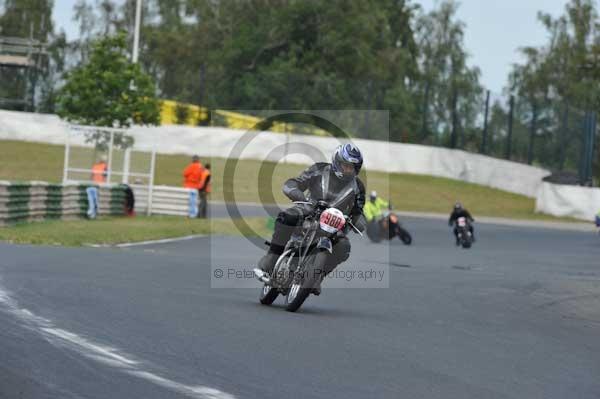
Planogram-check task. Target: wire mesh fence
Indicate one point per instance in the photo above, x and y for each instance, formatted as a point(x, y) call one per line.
point(547, 133)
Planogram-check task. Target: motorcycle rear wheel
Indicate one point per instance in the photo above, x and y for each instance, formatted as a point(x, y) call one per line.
point(405, 236)
point(268, 295)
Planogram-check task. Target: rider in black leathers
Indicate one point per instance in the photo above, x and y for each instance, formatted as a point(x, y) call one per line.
point(338, 184)
point(457, 212)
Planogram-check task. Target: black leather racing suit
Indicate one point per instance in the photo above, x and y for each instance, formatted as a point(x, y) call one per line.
point(318, 182)
point(458, 213)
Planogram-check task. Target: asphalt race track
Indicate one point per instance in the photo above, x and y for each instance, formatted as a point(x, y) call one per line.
point(518, 316)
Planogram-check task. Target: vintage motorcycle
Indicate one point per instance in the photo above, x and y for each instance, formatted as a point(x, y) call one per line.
point(386, 228)
point(301, 267)
point(464, 236)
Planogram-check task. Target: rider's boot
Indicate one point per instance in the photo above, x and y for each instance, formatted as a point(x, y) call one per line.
point(317, 289)
point(265, 266)
point(324, 273)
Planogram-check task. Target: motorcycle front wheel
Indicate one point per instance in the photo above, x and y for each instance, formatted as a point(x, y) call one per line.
point(304, 284)
point(466, 243)
point(374, 232)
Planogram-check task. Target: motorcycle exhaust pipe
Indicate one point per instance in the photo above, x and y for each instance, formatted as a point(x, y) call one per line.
point(261, 276)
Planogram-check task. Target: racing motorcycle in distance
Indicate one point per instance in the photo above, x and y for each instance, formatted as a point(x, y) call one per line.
point(463, 233)
point(386, 228)
point(300, 268)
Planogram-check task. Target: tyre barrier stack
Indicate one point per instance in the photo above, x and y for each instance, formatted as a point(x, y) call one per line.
point(36, 200)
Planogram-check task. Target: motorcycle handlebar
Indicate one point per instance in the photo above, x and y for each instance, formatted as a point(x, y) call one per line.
point(321, 204)
point(356, 230)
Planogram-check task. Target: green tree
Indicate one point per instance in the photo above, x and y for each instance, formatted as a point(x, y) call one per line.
point(277, 54)
point(321, 54)
point(560, 80)
point(108, 90)
point(312, 55)
point(27, 18)
point(450, 94)
point(52, 73)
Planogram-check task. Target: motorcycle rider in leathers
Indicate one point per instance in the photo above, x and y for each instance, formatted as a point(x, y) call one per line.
point(338, 184)
point(457, 212)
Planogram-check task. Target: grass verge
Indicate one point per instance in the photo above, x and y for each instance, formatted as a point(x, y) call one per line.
point(114, 230)
point(35, 161)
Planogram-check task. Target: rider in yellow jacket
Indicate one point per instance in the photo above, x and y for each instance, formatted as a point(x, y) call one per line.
point(375, 207)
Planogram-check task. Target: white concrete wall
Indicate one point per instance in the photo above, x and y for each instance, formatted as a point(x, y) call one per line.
point(573, 201)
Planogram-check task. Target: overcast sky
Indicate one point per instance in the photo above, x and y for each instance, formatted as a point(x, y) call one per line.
point(495, 29)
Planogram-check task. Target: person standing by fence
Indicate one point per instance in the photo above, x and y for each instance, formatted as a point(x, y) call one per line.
point(100, 170)
point(204, 191)
point(192, 179)
point(99, 174)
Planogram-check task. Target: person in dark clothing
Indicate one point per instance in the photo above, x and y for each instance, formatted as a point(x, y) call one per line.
point(457, 212)
point(338, 184)
point(129, 200)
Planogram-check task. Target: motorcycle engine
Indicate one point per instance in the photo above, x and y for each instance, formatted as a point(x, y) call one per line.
point(284, 271)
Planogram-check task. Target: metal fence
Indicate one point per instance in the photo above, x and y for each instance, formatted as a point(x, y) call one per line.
point(125, 162)
point(547, 133)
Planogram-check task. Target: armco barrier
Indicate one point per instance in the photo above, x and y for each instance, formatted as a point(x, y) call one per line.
point(572, 201)
point(31, 201)
point(166, 200)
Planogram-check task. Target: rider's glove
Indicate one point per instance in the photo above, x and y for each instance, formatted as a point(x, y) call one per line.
point(296, 195)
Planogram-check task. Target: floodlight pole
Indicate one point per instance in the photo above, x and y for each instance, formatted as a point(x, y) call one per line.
point(136, 34)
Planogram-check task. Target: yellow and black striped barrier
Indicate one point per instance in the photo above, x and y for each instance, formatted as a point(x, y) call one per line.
point(176, 113)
